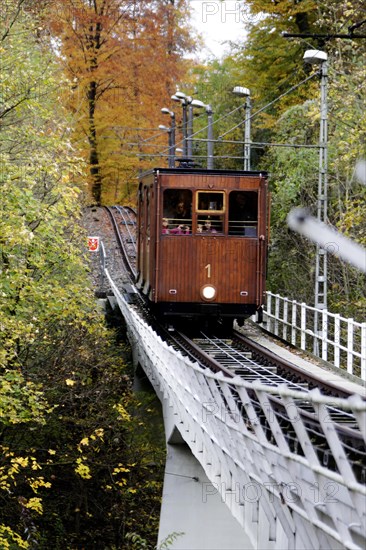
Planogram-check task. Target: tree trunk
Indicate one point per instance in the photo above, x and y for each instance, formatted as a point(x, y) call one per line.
point(96, 179)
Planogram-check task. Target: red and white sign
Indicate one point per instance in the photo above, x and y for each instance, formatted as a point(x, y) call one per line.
point(93, 244)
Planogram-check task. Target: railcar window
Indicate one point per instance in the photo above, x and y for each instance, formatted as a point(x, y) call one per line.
point(177, 212)
point(243, 213)
point(210, 201)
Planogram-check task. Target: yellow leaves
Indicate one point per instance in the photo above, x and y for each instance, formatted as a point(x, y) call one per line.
point(8, 538)
point(99, 432)
point(8, 474)
point(34, 504)
point(19, 465)
point(121, 483)
point(70, 382)
point(158, 71)
point(21, 461)
point(123, 414)
point(120, 469)
point(35, 465)
point(352, 220)
point(4, 482)
point(82, 469)
point(39, 482)
point(95, 436)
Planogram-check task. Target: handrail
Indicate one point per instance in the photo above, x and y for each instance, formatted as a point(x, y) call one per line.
point(339, 340)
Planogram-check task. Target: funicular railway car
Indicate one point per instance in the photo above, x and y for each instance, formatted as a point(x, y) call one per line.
point(202, 244)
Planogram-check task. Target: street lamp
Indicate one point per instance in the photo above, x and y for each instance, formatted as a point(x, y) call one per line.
point(245, 92)
point(316, 57)
point(184, 101)
point(188, 105)
point(171, 158)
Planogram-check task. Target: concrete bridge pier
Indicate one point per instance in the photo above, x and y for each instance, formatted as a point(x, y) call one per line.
point(191, 504)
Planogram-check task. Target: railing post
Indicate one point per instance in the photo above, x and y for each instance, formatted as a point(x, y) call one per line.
point(350, 331)
point(277, 313)
point(363, 351)
point(337, 339)
point(269, 312)
point(303, 326)
point(293, 322)
point(325, 334)
point(285, 318)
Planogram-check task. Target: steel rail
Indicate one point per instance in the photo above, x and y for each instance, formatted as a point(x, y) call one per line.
point(345, 423)
point(121, 241)
point(313, 381)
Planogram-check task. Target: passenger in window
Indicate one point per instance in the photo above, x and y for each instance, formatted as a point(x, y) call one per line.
point(180, 230)
point(176, 203)
point(207, 228)
point(177, 207)
point(182, 211)
point(165, 225)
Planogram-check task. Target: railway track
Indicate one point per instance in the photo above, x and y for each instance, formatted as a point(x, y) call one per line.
point(239, 356)
point(124, 225)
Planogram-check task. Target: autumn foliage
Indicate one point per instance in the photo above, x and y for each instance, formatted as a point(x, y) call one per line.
point(122, 59)
point(74, 464)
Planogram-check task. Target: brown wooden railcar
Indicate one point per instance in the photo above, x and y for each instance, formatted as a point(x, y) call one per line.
point(202, 242)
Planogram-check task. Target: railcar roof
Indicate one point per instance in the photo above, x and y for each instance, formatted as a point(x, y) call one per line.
point(203, 171)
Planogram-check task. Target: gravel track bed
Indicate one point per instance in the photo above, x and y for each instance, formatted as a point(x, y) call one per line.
point(97, 223)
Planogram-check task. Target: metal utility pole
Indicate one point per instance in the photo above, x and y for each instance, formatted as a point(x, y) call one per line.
point(247, 135)
point(318, 57)
point(321, 257)
point(245, 92)
point(210, 138)
point(171, 158)
point(321, 265)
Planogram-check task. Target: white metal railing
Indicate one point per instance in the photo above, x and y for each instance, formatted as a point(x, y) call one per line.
point(338, 340)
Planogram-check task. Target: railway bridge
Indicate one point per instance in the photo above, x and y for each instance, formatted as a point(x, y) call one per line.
point(256, 460)
point(234, 478)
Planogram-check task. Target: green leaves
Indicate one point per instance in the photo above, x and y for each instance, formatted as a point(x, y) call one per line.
point(65, 398)
point(21, 401)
